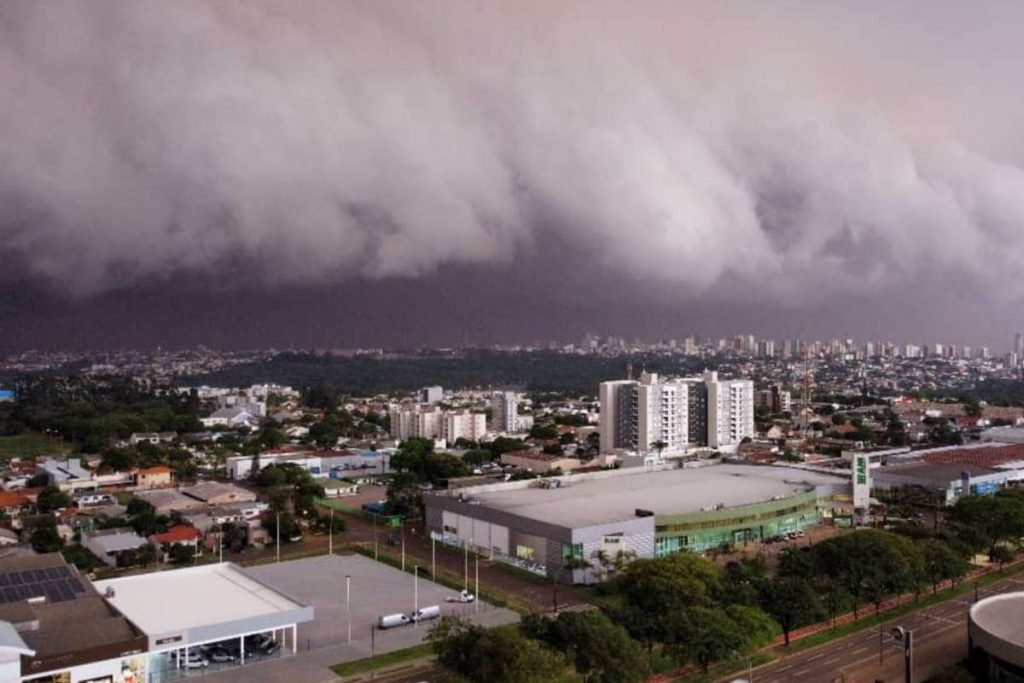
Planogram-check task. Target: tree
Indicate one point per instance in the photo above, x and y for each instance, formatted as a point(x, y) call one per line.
point(941, 562)
point(791, 601)
point(499, 655)
point(544, 432)
point(601, 650)
point(702, 635)
point(138, 506)
point(45, 539)
point(52, 498)
point(181, 554)
point(477, 456)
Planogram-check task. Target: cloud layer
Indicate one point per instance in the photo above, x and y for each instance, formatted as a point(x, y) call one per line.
point(784, 156)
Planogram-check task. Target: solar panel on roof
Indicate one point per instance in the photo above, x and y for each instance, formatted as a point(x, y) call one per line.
point(76, 585)
point(9, 595)
point(15, 578)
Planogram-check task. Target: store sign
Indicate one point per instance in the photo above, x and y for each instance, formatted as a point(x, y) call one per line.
point(861, 481)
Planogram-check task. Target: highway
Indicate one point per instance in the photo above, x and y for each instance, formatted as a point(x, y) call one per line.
point(940, 641)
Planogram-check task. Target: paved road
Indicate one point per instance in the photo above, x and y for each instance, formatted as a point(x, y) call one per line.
point(940, 641)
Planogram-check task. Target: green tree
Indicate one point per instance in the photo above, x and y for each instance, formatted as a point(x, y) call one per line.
point(987, 521)
point(181, 554)
point(941, 562)
point(52, 498)
point(791, 601)
point(601, 650)
point(499, 655)
point(45, 539)
point(702, 635)
point(138, 506)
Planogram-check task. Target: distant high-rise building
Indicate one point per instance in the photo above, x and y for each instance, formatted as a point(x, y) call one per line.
point(504, 408)
point(463, 424)
point(431, 394)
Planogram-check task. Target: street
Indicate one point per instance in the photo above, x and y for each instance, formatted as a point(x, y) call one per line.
point(940, 641)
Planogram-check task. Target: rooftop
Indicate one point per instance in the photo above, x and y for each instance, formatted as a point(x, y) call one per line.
point(585, 502)
point(984, 456)
point(1000, 615)
point(183, 599)
point(941, 473)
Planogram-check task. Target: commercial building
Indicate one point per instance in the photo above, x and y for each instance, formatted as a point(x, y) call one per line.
point(541, 524)
point(949, 473)
point(995, 637)
point(504, 409)
point(670, 416)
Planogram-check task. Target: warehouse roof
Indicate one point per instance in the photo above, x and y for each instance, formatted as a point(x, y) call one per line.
point(589, 501)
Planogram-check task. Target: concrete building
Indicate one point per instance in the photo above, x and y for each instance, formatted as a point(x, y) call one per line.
point(431, 394)
point(540, 463)
point(504, 409)
point(540, 524)
point(671, 416)
point(995, 637)
point(463, 424)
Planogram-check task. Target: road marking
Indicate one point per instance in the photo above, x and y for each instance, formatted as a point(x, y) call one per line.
point(784, 668)
point(801, 672)
point(859, 650)
point(830, 661)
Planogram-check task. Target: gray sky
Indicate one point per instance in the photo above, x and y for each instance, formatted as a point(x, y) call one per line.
point(334, 173)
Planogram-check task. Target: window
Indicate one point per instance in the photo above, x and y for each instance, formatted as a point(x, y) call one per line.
point(571, 550)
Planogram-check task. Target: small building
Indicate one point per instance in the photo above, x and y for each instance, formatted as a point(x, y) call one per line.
point(107, 544)
point(13, 503)
point(153, 477)
point(540, 463)
point(181, 534)
point(166, 501)
point(216, 493)
point(339, 488)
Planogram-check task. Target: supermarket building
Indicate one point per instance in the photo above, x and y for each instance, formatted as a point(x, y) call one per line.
point(541, 524)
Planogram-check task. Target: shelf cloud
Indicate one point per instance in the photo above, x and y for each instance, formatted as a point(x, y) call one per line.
point(688, 149)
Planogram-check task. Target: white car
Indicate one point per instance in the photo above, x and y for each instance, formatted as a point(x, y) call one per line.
point(463, 596)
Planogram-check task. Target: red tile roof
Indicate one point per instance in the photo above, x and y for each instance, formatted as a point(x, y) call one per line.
point(986, 456)
point(158, 469)
point(177, 534)
point(13, 499)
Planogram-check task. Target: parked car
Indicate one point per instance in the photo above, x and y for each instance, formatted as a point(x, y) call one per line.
point(463, 596)
point(219, 654)
point(393, 620)
point(426, 613)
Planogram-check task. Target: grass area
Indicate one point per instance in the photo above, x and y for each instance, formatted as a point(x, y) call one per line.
point(31, 444)
point(389, 659)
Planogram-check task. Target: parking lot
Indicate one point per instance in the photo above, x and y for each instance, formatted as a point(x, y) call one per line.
point(376, 589)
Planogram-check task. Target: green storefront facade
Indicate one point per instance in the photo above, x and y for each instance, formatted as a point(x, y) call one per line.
point(702, 531)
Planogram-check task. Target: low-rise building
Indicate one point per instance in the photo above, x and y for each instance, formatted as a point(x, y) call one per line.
point(158, 476)
point(107, 544)
point(217, 493)
point(540, 463)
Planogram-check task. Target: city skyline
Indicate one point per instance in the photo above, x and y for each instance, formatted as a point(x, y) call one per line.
point(388, 177)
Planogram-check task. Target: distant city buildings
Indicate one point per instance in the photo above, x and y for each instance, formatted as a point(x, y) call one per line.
point(669, 416)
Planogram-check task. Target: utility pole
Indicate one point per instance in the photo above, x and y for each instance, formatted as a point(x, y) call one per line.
point(476, 595)
point(330, 535)
point(348, 604)
point(278, 537)
point(465, 564)
point(433, 559)
point(375, 536)
point(416, 594)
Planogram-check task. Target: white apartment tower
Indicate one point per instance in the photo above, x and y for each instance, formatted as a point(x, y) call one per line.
point(504, 408)
point(463, 424)
point(652, 415)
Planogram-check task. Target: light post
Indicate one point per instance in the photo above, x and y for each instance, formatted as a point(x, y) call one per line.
point(403, 545)
point(416, 595)
point(278, 540)
point(433, 558)
point(375, 536)
point(348, 604)
point(906, 636)
point(476, 595)
point(330, 535)
point(465, 564)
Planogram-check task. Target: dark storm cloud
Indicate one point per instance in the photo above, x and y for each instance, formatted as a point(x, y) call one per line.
point(690, 150)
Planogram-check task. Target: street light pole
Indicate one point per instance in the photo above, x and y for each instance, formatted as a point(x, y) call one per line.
point(330, 535)
point(348, 604)
point(403, 545)
point(278, 543)
point(416, 594)
point(433, 558)
point(465, 565)
point(476, 595)
point(375, 536)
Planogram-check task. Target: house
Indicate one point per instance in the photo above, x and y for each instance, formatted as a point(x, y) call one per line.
point(216, 493)
point(107, 544)
point(153, 477)
point(166, 501)
point(231, 417)
point(337, 488)
point(13, 503)
point(178, 535)
point(155, 438)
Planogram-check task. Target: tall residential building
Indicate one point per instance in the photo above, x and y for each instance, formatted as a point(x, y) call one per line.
point(651, 414)
point(462, 424)
point(504, 407)
point(413, 420)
